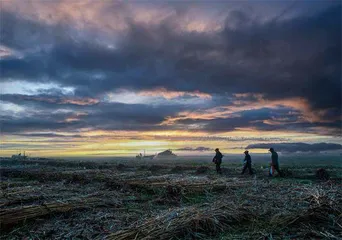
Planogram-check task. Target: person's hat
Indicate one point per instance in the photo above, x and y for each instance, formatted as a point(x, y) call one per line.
point(271, 149)
point(245, 151)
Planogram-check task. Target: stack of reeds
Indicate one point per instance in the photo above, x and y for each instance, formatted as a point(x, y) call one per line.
point(192, 222)
point(12, 216)
point(324, 211)
point(180, 169)
point(15, 201)
point(187, 187)
point(322, 174)
point(202, 170)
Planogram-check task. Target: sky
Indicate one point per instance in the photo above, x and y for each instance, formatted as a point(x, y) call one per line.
point(115, 78)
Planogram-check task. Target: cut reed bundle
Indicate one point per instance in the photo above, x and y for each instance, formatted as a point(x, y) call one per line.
point(189, 222)
point(12, 216)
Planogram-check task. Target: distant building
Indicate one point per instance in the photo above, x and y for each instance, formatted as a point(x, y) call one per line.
point(19, 157)
point(141, 156)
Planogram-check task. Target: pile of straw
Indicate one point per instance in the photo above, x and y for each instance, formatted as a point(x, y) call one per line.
point(156, 168)
point(180, 169)
point(12, 216)
point(191, 222)
point(322, 174)
point(15, 201)
point(172, 195)
point(202, 170)
point(324, 212)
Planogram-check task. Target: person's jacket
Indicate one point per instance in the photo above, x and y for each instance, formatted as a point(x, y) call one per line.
point(248, 159)
point(218, 158)
point(274, 158)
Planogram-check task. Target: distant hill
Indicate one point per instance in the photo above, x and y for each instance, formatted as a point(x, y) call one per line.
point(166, 153)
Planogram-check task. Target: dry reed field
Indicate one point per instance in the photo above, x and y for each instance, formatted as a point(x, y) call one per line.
point(60, 199)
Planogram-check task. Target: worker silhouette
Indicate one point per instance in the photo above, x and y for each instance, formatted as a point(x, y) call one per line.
point(247, 163)
point(218, 160)
point(274, 163)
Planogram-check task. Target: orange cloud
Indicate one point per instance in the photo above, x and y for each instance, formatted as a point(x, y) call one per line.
point(75, 117)
point(80, 101)
point(75, 101)
point(242, 104)
point(173, 94)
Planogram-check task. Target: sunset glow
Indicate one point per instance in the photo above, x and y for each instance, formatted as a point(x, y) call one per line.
point(115, 78)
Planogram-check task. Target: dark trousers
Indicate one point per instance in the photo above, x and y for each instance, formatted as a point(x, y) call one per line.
point(249, 166)
point(276, 167)
point(218, 168)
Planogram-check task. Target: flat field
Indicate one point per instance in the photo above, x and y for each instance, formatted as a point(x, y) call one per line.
point(182, 198)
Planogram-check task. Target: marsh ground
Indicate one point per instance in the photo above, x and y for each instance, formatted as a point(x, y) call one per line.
point(168, 199)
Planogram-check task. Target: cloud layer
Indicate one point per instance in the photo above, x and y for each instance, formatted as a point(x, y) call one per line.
point(298, 147)
point(211, 68)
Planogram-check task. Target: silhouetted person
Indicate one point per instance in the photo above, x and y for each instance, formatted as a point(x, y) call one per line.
point(218, 160)
point(247, 163)
point(274, 162)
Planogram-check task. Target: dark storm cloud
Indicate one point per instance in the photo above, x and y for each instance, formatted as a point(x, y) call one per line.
point(231, 124)
point(264, 119)
point(48, 100)
point(299, 57)
point(131, 116)
point(96, 106)
point(105, 116)
point(34, 124)
point(245, 118)
point(298, 147)
point(52, 114)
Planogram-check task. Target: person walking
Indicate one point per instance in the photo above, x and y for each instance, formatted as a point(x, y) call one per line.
point(247, 163)
point(274, 163)
point(218, 160)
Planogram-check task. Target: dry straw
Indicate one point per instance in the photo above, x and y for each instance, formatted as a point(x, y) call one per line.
point(186, 222)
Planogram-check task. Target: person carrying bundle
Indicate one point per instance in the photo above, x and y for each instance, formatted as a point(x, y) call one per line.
point(218, 160)
point(274, 166)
